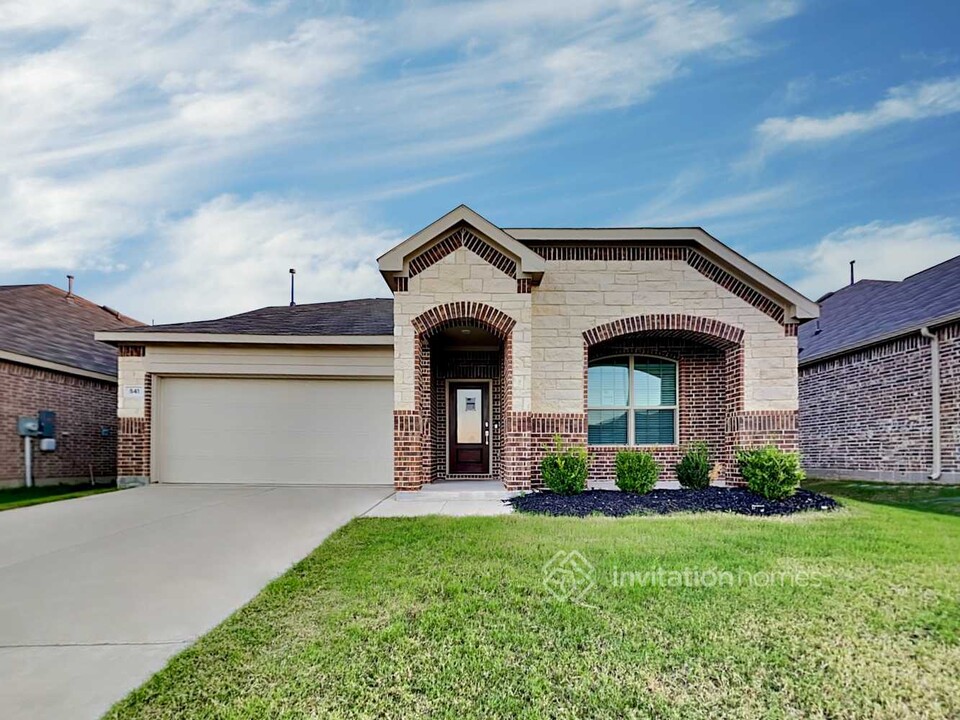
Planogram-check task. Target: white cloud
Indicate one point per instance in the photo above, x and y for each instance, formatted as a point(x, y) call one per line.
point(117, 115)
point(883, 251)
point(725, 206)
point(521, 66)
point(232, 255)
point(689, 200)
point(902, 104)
point(798, 90)
point(50, 223)
point(935, 58)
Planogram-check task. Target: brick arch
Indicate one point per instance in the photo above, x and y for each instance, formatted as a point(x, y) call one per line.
point(427, 325)
point(458, 314)
point(706, 330)
point(727, 342)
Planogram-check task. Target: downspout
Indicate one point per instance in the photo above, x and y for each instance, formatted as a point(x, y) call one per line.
point(936, 471)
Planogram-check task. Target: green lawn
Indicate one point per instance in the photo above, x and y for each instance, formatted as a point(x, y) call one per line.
point(931, 498)
point(11, 498)
point(447, 617)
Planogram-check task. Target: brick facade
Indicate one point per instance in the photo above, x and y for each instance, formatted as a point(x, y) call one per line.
point(133, 442)
point(86, 425)
point(736, 357)
point(543, 319)
point(867, 414)
point(420, 435)
point(451, 364)
point(701, 398)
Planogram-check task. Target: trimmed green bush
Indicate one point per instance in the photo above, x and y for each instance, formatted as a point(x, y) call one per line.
point(771, 472)
point(693, 470)
point(565, 469)
point(637, 472)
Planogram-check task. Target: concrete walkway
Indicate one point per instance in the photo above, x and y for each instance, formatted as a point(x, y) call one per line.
point(97, 593)
point(452, 497)
point(464, 497)
point(393, 507)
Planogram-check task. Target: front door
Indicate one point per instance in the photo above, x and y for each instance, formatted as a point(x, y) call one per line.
point(468, 422)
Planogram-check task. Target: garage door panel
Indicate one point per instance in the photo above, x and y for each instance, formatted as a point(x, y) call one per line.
point(275, 431)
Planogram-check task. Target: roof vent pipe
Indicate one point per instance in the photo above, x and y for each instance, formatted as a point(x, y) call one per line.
point(293, 272)
point(69, 285)
point(936, 471)
point(852, 263)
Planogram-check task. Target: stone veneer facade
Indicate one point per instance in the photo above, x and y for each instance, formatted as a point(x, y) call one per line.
point(867, 414)
point(736, 355)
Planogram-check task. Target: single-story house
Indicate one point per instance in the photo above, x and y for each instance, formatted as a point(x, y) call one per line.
point(49, 360)
point(880, 380)
point(496, 340)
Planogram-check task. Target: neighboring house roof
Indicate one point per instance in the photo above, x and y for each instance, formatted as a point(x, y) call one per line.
point(345, 319)
point(872, 311)
point(46, 324)
point(515, 241)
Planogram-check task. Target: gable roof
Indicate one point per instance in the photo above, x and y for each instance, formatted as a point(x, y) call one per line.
point(344, 319)
point(872, 311)
point(802, 307)
point(517, 241)
point(393, 261)
point(46, 324)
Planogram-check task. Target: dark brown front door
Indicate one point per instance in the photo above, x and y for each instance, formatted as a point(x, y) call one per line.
point(468, 422)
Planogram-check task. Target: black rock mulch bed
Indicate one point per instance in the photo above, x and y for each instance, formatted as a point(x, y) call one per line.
point(614, 503)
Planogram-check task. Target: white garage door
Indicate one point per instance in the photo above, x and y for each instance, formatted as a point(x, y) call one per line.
point(265, 431)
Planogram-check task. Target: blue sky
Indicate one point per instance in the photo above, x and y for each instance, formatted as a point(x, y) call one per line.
point(178, 156)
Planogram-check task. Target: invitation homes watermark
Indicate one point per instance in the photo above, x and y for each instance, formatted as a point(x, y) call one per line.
point(571, 577)
point(713, 577)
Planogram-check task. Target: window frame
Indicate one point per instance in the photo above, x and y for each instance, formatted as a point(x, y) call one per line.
point(631, 408)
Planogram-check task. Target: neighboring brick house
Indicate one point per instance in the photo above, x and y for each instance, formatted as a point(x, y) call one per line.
point(869, 371)
point(49, 360)
point(496, 341)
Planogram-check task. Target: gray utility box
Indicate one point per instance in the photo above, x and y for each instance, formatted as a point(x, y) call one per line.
point(43, 425)
point(28, 426)
point(48, 423)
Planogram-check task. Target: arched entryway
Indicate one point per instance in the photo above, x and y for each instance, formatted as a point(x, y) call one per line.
point(462, 390)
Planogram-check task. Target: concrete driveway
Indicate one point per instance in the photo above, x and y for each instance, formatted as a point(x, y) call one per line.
point(96, 594)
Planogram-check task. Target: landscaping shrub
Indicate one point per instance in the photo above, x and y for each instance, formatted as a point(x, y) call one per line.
point(693, 470)
point(637, 472)
point(565, 469)
point(771, 472)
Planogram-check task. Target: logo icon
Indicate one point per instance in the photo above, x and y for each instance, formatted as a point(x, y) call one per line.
point(569, 576)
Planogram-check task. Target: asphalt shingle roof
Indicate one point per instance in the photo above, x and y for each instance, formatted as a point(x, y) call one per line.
point(41, 321)
point(875, 309)
point(370, 316)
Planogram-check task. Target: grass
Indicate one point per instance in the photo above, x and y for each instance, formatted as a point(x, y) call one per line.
point(929, 498)
point(449, 618)
point(11, 498)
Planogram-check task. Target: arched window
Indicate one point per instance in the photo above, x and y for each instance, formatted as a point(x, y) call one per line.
point(632, 400)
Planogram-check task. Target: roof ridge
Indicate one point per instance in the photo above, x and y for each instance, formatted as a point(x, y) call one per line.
point(932, 267)
point(87, 302)
point(353, 316)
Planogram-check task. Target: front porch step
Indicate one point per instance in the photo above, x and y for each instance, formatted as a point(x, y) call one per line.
point(459, 490)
